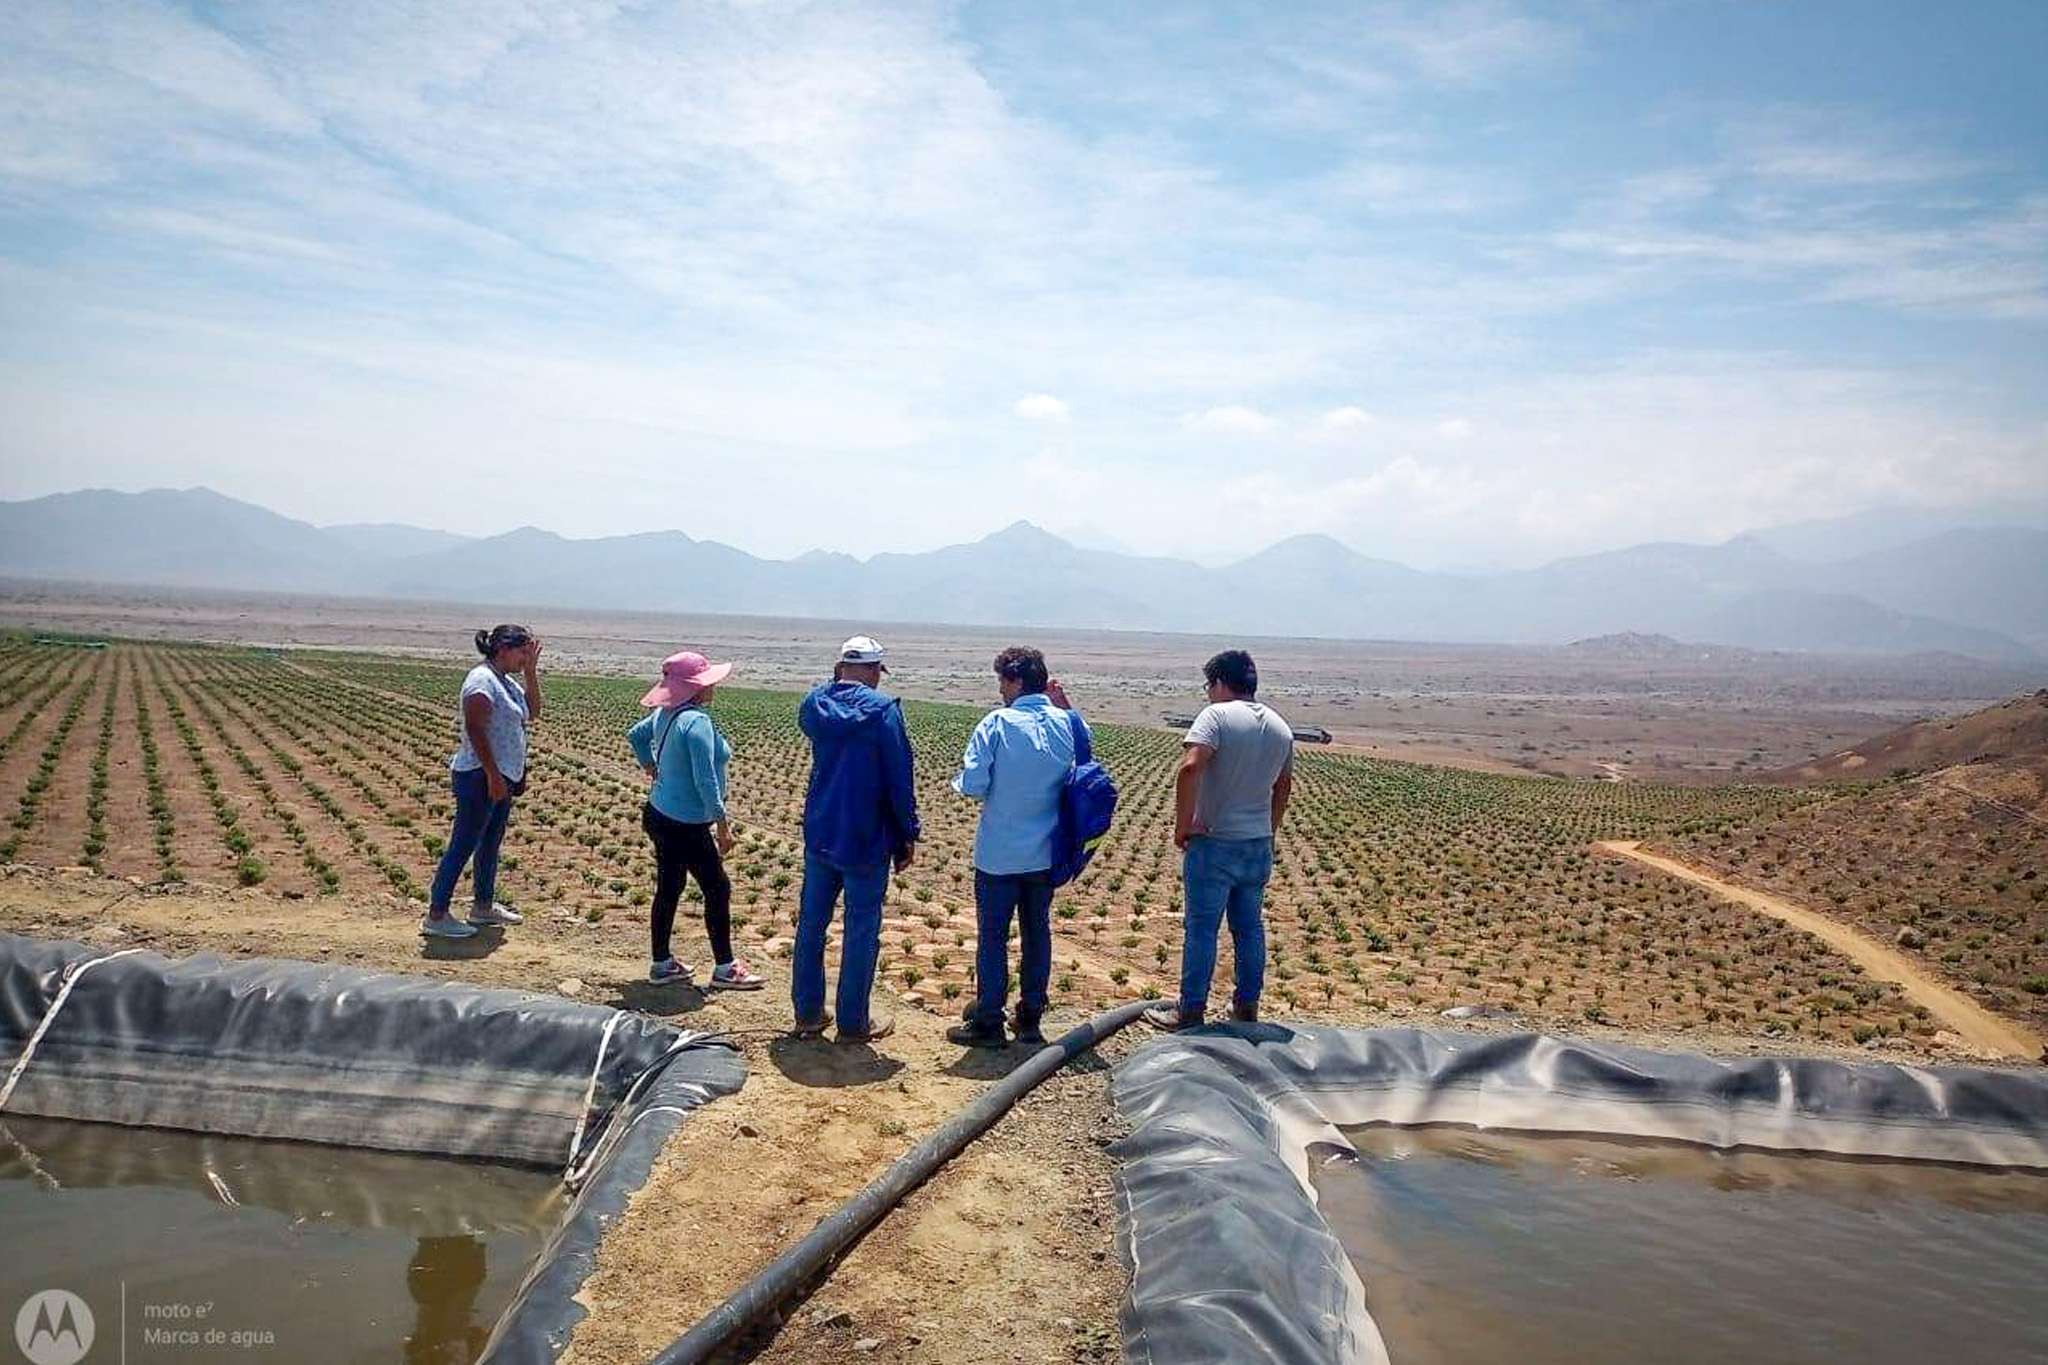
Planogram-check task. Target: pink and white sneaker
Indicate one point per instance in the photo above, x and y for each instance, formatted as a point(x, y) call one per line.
point(736, 975)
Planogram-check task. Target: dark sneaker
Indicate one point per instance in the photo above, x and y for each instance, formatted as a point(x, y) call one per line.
point(1028, 1032)
point(876, 1030)
point(1242, 1013)
point(812, 1028)
point(662, 973)
point(1173, 1018)
point(973, 1035)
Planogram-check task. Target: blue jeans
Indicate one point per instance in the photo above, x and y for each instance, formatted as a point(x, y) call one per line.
point(1224, 879)
point(479, 830)
point(998, 895)
point(864, 888)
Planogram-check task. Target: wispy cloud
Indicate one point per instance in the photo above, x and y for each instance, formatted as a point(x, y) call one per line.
point(1231, 419)
point(683, 261)
point(1041, 407)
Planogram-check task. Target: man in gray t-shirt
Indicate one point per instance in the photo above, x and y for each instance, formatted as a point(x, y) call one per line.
point(1230, 794)
point(1245, 749)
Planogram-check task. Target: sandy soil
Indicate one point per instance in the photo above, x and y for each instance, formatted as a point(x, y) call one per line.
point(1977, 1026)
point(1712, 717)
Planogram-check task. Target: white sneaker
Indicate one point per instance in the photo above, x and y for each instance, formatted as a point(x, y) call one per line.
point(662, 973)
point(446, 926)
point(494, 913)
point(737, 976)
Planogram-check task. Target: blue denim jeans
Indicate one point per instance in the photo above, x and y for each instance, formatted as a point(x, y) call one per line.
point(864, 888)
point(1224, 879)
point(998, 896)
point(479, 831)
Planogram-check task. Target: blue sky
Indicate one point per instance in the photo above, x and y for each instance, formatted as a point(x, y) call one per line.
point(1460, 284)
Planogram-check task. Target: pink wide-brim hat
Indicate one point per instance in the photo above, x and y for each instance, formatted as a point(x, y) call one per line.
point(683, 676)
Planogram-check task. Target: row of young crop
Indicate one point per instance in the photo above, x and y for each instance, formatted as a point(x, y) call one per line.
point(1395, 885)
point(1464, 881)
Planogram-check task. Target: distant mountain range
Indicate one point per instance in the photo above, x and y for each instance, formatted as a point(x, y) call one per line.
point(1980, 591)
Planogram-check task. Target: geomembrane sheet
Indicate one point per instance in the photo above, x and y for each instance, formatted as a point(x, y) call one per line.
point(1231, 1259)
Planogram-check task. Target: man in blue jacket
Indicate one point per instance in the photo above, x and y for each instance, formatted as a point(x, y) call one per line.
point(860, 818)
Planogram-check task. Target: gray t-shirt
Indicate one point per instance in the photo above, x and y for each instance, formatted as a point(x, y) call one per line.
point(507, 727)
point(1253, 747)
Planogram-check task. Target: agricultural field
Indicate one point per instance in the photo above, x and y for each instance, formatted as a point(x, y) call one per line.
point(1398, 887)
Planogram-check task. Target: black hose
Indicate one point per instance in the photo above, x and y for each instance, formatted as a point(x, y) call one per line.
point(851, 1221)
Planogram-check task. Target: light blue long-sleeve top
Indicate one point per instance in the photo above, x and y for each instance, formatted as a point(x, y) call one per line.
point(689, 777)
point(1017, 760)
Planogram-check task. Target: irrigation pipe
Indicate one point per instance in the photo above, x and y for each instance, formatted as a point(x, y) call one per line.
point(852, 1220)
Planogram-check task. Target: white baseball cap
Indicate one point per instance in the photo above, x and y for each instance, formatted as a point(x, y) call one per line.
point(862, 649)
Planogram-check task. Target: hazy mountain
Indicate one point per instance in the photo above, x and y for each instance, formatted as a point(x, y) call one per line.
point(1838, 623)
point(191, 538)
point(659, 570)
point(1666, 587)
point(1024, 576)
point(1313, 581)
point(1088, 536)
point(388, 540)
point(1979, 592)
point(1991, 577)
point(1824, 540)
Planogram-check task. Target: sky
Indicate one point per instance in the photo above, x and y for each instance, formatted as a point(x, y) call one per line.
point(1461, 284)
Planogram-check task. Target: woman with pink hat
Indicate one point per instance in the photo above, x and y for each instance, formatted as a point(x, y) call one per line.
point(679, 747)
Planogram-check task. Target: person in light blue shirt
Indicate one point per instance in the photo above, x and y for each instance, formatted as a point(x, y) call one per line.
point(1016, 764)
point(681, 751)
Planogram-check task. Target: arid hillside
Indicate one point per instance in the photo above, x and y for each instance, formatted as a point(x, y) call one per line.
point(2016, 729)
point(1951, 864)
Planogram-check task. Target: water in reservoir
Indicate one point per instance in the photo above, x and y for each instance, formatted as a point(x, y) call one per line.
point(1489, 1247)
point(187, 1247)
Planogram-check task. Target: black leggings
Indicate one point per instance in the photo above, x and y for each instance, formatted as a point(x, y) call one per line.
point(687, 850)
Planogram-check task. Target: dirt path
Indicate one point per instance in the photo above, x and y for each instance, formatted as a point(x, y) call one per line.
point(1956, 784)
point(1978, 1027)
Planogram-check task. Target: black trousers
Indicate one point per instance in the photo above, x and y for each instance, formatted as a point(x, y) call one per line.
point(681, 851)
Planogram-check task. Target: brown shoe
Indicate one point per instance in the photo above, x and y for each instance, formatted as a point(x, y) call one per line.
point(876, 1030)
point(812, 1028)
point(1243, 1013)
point(1173, 1018)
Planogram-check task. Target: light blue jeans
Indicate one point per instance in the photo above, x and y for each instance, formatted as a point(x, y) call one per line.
point(864, 888)
point(1223, 880)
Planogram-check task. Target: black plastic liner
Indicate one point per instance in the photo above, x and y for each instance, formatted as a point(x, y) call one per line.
point(313, 1053)
point(1230, 1260)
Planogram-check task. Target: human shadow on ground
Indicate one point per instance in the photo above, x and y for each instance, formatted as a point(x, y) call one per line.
point(990, 1063)
point(481, 944)
point(820, 1063)
point(665, 1000)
